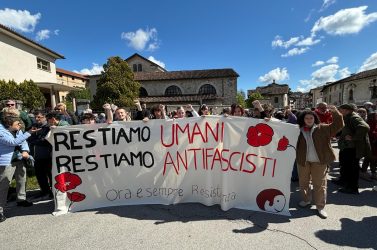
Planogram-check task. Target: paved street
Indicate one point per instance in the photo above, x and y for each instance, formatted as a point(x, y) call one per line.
point(351, 224)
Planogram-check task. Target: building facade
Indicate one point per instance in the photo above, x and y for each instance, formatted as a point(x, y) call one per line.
point(315, 96)
point(273, 93)
point(23, 59)
point(299, 100)
point(70, 79)
point(357, 88)
point(215, 87)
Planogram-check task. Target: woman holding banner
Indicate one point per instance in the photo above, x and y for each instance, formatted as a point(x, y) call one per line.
point(314, 154)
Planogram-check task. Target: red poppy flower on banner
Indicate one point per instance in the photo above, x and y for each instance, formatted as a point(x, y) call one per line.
point(76, 196)
point(260, 135)
point(67, 181)
point(284, 144)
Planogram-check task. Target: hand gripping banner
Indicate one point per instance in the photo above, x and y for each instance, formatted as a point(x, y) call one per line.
point(231, 161)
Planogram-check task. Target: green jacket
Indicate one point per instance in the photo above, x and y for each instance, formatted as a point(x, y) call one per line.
point(356, 127)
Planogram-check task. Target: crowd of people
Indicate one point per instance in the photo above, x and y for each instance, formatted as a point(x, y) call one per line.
point(23, 143)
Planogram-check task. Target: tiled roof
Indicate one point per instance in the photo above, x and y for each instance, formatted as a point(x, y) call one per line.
point(31, 41)
point(358, 76)
point(185, 74)
point(70, 73)
point(272, 89)
point(183, 98)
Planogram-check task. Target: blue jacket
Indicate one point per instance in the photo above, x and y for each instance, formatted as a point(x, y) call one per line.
point(8, 143)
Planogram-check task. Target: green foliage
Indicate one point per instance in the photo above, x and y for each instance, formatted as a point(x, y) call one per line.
point(9, 90)
point(253, 97)
point(116, 85)
point(28, 92)
point(81, 93)
point(241, 98)
point(32, 97)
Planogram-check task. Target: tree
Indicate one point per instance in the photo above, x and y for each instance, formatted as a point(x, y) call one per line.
point(241, 98)
point(80, 93)
point(253, 97)
point(116, 85)
point(9, 90)
point(31, 95)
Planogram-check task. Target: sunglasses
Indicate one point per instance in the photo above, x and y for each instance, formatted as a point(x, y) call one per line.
point(9, 104)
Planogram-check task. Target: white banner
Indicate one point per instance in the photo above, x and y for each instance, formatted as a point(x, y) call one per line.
point(234, 162)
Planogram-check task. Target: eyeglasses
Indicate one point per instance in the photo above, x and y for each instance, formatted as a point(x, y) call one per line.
point(39, 116)
point(9, 104)
point(57, 109)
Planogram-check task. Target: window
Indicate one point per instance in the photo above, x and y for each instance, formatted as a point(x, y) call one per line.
point(134, 67)
point(340, 97)
point(276, 99)
point(42, 64)
point(330, 99)
point(139, 67)
point(73, 78)
point(143, 92)
point(173, 91)
point(207, 89)
point(374, 92)
point(350, 95)
point(60, 75)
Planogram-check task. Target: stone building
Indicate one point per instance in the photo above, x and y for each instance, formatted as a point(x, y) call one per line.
point(214, 87)
point(357, 88)
point(299, 100)
point(273, 93)
point(23, 59)
point(315, 96)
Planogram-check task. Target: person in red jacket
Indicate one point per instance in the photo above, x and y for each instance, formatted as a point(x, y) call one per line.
point(323, 113)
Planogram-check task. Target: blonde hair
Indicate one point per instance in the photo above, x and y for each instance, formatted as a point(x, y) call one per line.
point(11, 112)
point(60, 104)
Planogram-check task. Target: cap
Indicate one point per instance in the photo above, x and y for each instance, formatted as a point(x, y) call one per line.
point(368, 103)
point(348, 106)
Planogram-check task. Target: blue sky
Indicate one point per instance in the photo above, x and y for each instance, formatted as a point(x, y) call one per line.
point(304, 43)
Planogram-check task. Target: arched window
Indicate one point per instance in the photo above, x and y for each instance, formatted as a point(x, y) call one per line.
point(350, 95)
point(143, 92)
point(207, 89)
point(173, 91)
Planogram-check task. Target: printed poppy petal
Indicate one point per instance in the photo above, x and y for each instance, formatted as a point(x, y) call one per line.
point(283, 144)
point(264, 129)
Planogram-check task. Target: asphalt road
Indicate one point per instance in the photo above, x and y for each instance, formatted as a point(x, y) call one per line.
point(352, 223)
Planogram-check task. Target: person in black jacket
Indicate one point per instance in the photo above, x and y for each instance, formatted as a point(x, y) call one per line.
point(41, 150)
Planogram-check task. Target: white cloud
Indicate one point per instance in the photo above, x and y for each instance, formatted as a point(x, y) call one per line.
point(318, 63)
point(42, 35)
point(278, 42)
point(308, 41)
point(333, 60)
point(56, 32)
point(345, 21)
point(326, 4)
point(95, 70)
point(275, 74)
point(343, 73)
point(309, 15)
point(295, 52)
point(319, 77)
point(20, 20)
point(369, 63)
point(141, 39)
point(151, 58)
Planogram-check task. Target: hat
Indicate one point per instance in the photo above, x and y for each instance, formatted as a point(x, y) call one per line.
point(368, 103)
point(348, 106)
